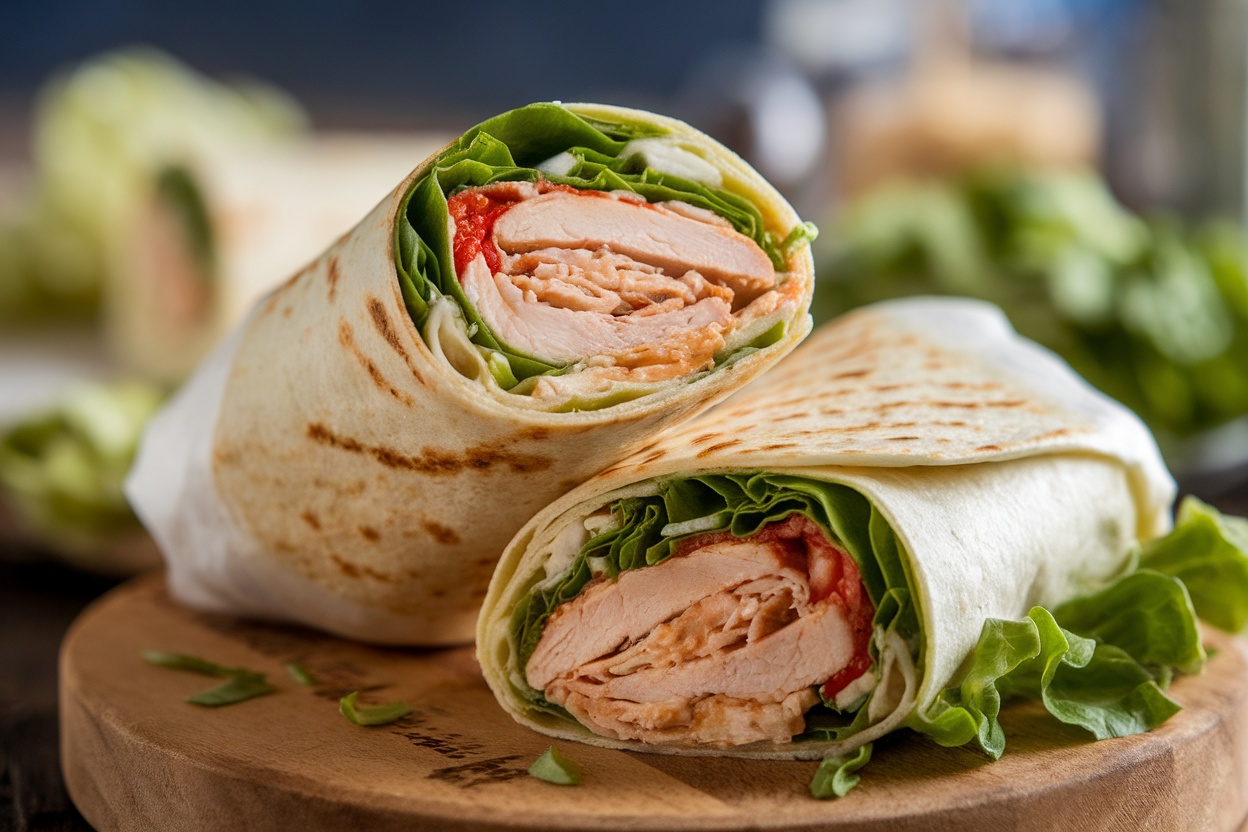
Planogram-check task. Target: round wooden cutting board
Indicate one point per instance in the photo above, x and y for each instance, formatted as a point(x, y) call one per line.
point(137, 756)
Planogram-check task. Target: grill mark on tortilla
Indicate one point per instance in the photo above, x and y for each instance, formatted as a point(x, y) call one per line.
point(369, 533)
point(432, 461)
point(778, 445)
point(1053, 434)
point(704, 438)
point(331, 276)
point(853, 374)
point(311, 519)
point(377, 310)
point(902, 439)
point(989, 448)
point(790, 417)
point(355, 570)
point(718, 447)
point(443, 534)
point(948, 404)
point(346, 337)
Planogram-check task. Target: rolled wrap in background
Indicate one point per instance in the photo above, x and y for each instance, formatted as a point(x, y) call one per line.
point(335, 464)
point(215, 231)
point(968, 474)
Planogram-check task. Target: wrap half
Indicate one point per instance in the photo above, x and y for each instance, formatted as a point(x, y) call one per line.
point(530, 304)
point(811, 565)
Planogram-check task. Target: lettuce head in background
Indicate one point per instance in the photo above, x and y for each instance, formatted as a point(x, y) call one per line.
point(1152, 311)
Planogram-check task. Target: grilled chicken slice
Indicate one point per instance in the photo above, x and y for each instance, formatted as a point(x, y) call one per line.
point(641, 292)
point(724, 644)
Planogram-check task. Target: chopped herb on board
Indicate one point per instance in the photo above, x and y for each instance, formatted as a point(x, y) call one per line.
point(372, 714)
point(300, 674)
point(241, 684)
point(555, 768)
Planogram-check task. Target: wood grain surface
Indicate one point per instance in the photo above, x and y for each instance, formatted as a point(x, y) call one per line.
point(136, 756)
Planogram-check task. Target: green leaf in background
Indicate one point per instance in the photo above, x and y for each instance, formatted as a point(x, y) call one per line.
point(553, 767)
point(62, 470)
point(1208, 552)
point(372, 714)
point(192, 664)
point(837, 776)
point(1153, 312)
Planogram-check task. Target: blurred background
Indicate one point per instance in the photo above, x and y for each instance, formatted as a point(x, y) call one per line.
point(1082, 163)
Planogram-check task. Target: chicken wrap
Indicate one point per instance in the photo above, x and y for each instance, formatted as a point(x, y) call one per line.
point(529, 305)
point(214, 231)
point(812, 564)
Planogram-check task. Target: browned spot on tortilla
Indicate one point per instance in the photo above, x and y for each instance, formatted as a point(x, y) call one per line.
point(705, 437)
point(377, 311)
point(655, 457)
point(369, 533)
point(831, 411)
point(355, 570)
point(852, 374)
point(1053, 434)
point(970, 405)
point(778, 445)
point(332, 275)
point(346, 337)
point(790, 417)
point(901, 439)
point(433, 461)
point(967, 385)
point(535, 433)
point(989, 448)
point(719, 446)
point(443, 534)
point(311, 519)
point(286, 310)
point(901, 425)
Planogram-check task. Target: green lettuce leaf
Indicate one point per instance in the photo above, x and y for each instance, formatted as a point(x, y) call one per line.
point(1208, 552)
point(837, 775)
point(1139, 630)
point(370, 715)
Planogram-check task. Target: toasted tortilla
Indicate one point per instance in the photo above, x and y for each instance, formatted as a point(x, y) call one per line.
point(1007, 481)
point(332, 465)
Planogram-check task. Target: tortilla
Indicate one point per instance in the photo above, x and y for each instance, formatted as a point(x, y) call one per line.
point(961, 474)
point(356, 456)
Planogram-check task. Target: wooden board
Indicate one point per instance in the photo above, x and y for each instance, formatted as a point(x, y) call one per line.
point(138, 757)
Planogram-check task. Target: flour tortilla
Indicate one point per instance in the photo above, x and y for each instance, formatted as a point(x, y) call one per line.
point(1007, 479)
point(329, 465)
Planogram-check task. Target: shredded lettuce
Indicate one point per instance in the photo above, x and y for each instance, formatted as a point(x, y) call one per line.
point(509, 148)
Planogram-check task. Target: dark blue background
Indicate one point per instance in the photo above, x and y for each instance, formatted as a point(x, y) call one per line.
point(381, 62)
